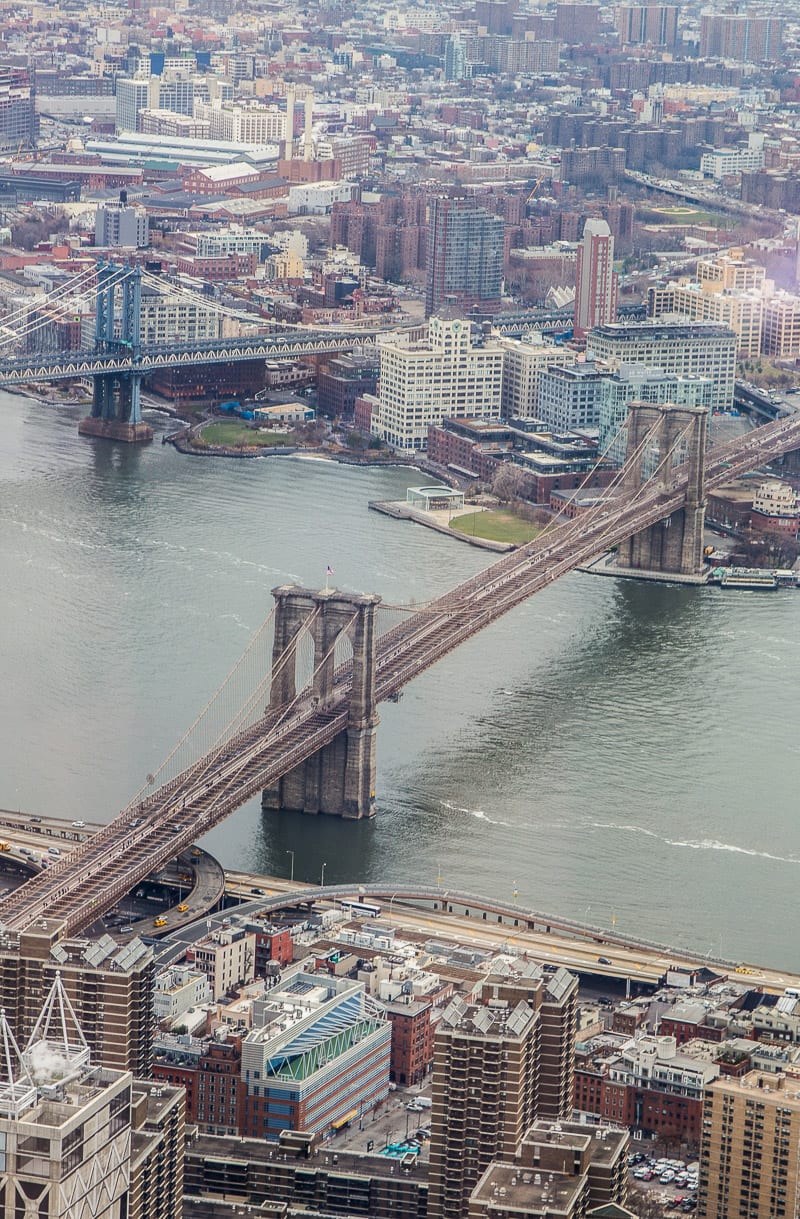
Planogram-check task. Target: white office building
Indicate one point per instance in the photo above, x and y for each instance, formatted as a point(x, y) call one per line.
point(117, 224)
point(524, 361)
point(444, 376)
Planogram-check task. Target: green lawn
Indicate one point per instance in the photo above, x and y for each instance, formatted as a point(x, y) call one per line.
point(235, 434)
point(679, 215)
point(496, 524)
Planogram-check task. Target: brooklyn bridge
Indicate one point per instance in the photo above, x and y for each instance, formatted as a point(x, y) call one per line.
point(296, 719)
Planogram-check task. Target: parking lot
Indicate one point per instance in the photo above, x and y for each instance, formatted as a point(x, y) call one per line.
point(670, 1181)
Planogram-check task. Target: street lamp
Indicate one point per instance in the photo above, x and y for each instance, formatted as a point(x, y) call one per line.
point(291, 878)
point(322, 878)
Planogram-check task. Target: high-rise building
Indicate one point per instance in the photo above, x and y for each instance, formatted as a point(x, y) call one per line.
point(737, 36)
point(19, 122)
point(524, 361)
point(465, 256)
point(117, 224)
point(133, 95)
point(654, 25)
point(563, 1169)
point(111, 988)
point(79, 1141)
point(596, 281)
point(455, 58)
point(750, 1148)
point(498, 1058)
point(443, 375)
point(576, 21)
point(701, 348)
point(743, 312)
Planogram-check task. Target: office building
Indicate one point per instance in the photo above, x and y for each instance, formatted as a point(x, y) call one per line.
point(110, 987)
point(465, 256)
point(562, 1170)
point(19, 122)
point(133, 95)
point(490, 1073)
point(750, 1147)
point(780, 334)
point(251, 124)
point(318, 1060)
point(743, 38)
point(524, 361)
point(570, 397)
point(742, 312)
point(699, 348)
point(654, 25)
point(117, 224)
point(731, 272)
point(596, 281)
point(721, 162)
point(636, 384)
point(445, 375)
point(342, 381)
point(165, 319)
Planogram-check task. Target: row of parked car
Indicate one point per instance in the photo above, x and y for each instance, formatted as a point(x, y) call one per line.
point(666, 1172)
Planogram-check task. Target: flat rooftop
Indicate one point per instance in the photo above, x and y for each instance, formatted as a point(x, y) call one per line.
point(511, 1188)
point(231, 1150)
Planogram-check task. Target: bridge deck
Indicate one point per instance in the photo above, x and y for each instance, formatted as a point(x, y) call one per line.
point(73, 893)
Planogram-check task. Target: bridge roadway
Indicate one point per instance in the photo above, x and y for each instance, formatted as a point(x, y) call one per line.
point(72, 893)
point(64, 366)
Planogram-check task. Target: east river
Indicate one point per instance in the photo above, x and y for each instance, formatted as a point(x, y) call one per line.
point(609, 751)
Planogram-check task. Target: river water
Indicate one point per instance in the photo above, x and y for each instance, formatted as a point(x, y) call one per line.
point(617, 752)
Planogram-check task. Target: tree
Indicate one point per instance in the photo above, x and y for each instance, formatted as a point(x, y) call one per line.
point(646, 1205)
point(511, 482)
point(767, 548)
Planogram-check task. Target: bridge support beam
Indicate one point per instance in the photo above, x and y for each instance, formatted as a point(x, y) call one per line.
point(116, 405)
point(340, 778)
point(674, 545)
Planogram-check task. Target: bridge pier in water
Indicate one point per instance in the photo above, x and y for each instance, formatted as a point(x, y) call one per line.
point(116, 403)
point(340, 778)
point(674, 545)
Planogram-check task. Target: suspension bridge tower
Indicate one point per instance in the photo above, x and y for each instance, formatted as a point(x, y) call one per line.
point(116, 404)
point(661, 439)
point(338, 779)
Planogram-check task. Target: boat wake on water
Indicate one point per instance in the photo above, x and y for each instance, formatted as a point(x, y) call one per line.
point(703, 844)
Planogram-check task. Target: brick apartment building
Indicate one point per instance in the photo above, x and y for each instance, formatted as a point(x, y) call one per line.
point(412, 1040)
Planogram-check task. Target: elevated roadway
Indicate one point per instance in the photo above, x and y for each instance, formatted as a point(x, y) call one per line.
point(105, 867)
point(25, 841)
point(468, 918)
